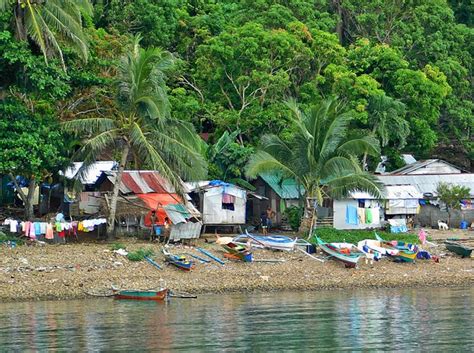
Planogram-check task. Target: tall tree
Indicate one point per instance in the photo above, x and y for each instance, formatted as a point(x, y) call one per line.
point(320, 156)
point(31, 146)
point(47, 23)
point(141, 125)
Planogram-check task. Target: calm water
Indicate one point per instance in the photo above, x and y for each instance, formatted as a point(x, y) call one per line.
point(427, 320)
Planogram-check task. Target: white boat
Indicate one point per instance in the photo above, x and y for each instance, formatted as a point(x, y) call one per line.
point(370, 246)
point(274, 242)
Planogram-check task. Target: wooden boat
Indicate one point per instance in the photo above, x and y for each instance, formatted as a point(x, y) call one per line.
point(132, 294)
point(376, 247)
point(179, 261)
point(239, 251)
point(274, 242)
point(406, 252)
point(345, 255)
point(458, 248)
point(400, 245)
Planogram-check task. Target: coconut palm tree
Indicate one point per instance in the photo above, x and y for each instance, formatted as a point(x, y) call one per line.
point(141, 125)
point(50, 22)
point(387, 121)
point(319, 156)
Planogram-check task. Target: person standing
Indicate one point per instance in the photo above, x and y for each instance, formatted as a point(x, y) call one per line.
point(270, 215)
point(264, 223)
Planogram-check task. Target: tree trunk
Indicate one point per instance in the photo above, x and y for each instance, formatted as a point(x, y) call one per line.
point(309, 217)
point(19, 22)
point(115, 192)
point(339, 25)
point(27, 199)
point(29, 214)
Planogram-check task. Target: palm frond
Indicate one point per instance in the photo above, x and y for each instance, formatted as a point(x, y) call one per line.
point(67, 23)
point(142, 81)
point(341, 186)
point(338, 165)
point(357, 147)
point(94, 146)
point(34, 28)
point(184, 159)
point(262, 162)
point(150, 155)
point(88, 126)
point(336, 132)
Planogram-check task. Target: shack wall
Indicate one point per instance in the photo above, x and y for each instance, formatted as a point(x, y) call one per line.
point(429, 216)
point(213, 213)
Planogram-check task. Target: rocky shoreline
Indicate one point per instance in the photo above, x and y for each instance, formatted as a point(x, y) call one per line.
point(57, 272)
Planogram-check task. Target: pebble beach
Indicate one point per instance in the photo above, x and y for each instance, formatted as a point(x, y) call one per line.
point(74, 271)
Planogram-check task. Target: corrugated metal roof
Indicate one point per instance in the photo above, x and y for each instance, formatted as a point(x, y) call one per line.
point(92, 173)
point(402, 192)
point(391, 192)
point(286, 188)
point(142, 182)
point(429, 183)
point(410, 168)
point(177, 213)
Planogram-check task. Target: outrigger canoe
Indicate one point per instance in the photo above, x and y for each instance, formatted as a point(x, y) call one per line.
point(274, 242)
point(406, 252)
point(458, 248)
point(132, 294)
point(348, 256)
point(376, 247)
point(179, 261)
point(239, 251)
point(400, 245)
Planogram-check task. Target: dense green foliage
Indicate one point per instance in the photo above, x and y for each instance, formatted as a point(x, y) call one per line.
point(294, 214)
point(321, 156)
point(354, 236)
point(30, 141)
point(403, 70)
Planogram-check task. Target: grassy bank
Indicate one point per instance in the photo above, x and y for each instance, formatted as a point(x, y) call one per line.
point(354, 236)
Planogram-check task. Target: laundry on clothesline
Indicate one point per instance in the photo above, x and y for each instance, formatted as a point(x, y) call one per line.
point(61, 227)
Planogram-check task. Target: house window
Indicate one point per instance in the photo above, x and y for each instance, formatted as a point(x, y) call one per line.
point(228, 202)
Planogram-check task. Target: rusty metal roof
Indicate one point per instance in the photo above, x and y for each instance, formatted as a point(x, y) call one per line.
point(142, 182)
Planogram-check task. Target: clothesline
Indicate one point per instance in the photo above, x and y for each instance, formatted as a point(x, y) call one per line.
point(35, 230)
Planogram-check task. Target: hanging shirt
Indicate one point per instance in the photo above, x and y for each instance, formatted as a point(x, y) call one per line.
point(37, 226)
point(13, 226)
point(351, 215)
point(49, 231)
point(26, 229)
point(375, 215)
point(58, 226)
point(32, 232)
point(43, 227)
point(361, 215)
point(368, 216)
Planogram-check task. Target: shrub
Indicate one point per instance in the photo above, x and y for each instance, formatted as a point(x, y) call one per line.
point(116, 246)
point(294, 214)
point(139, 254)
point(10, 237)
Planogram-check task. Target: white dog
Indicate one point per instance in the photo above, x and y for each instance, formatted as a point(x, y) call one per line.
point(442, 226)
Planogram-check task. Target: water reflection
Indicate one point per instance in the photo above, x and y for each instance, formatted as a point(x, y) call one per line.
point(342, 321)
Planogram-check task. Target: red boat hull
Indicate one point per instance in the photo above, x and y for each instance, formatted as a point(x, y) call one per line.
point(139, 295)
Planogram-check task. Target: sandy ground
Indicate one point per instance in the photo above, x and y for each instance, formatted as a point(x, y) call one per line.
point(70, 271)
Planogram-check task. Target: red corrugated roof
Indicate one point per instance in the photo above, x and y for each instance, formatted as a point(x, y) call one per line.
point(143, 182)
